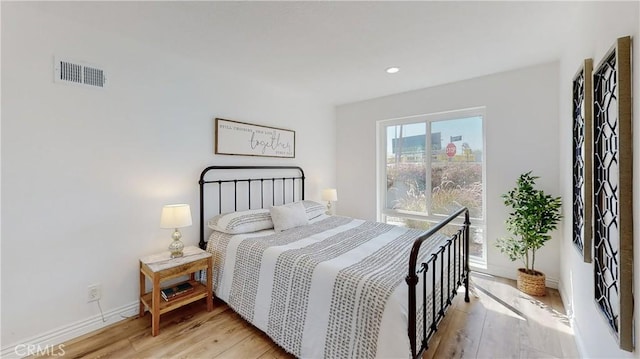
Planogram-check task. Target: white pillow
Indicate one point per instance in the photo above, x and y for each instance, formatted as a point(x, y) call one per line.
point(288, 216)
point(314, 209)
point(241, 222)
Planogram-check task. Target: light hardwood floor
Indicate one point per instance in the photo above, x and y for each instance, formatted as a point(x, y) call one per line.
point(502, 322)
point(499, 322)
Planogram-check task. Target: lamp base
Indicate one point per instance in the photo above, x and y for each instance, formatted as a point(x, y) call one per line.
point(176, 249)
point(176, 246)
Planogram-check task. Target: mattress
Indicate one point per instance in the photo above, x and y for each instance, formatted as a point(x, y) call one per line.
point(333, 288)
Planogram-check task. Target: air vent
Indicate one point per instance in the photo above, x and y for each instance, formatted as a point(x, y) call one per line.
point(70, 72)
point(75, 72)
point(93, 77)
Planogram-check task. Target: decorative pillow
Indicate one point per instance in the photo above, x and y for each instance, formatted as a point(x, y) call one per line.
point(288, 216)
point(314, 209)
point(241, 222)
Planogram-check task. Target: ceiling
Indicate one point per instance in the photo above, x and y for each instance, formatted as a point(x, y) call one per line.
point(338, 51)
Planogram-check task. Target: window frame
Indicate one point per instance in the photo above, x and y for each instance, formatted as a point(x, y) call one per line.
point(382, 212)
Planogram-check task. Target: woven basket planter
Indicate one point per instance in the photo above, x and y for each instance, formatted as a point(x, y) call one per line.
point(532, 284)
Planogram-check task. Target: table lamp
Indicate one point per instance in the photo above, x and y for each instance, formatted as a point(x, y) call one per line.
point(175, 216)
point(329, 194)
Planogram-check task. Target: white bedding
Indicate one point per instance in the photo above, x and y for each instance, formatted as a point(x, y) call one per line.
point(334, 288)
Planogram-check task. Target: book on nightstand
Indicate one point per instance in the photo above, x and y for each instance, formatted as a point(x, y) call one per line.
point(176, 291)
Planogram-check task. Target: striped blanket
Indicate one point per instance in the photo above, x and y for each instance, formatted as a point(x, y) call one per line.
point(334, 288)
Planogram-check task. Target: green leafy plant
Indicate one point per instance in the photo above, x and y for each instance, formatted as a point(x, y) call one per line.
point(534, 215)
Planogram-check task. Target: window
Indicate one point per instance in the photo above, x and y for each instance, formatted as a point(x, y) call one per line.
point(431, 165)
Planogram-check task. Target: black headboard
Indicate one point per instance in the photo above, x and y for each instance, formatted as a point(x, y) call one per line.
point(239, 179)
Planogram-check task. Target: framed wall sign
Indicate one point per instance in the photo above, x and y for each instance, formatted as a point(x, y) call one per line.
point(612, 196)
point(245, 139)
point(582, 155)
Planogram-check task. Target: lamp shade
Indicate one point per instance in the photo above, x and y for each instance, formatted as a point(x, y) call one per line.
point(330, 194)
point(175, 216)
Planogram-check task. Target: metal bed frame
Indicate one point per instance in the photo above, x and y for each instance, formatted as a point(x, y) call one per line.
point(235, 182)
point(453, 255)
point(459, 242)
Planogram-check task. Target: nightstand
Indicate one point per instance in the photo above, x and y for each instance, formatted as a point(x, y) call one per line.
point(161, 267)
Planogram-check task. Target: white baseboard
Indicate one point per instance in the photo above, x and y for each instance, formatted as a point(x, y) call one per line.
point(48, 342)
point(569, 310)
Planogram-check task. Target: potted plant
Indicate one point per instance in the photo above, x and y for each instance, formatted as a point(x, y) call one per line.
point(534, 214)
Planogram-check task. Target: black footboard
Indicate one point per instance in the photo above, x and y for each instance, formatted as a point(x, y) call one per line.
point(448, 269)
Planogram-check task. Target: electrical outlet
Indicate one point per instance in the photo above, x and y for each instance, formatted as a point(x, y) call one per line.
point(94, 292)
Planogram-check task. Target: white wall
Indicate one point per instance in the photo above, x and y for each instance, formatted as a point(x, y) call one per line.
point(603, 23)
point(521, 127)
point(85, 171)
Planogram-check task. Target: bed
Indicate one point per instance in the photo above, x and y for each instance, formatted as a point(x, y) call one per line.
point(320, 285)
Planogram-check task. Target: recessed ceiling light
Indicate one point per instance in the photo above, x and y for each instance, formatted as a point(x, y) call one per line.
point(392, 70)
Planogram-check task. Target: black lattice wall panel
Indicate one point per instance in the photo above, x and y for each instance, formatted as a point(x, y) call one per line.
point(582, 189)
point(612, 185)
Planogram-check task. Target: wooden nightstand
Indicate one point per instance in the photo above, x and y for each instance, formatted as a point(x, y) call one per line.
point(161, 267)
